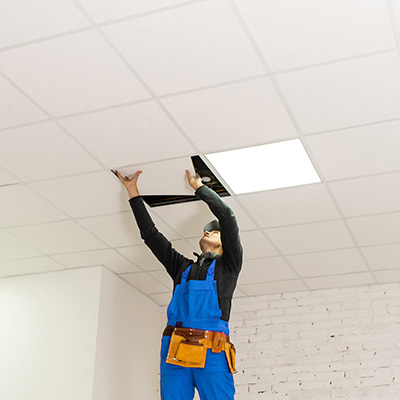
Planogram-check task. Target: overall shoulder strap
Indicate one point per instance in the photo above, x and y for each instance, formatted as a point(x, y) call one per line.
point(185, 274)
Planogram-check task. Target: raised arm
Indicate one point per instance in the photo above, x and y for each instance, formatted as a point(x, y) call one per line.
point(159, 245)
point(232, 248)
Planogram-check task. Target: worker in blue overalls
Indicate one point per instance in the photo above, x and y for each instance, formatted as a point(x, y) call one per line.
point(195, 350)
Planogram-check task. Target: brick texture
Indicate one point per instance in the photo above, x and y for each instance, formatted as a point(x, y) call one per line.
point(323, 344)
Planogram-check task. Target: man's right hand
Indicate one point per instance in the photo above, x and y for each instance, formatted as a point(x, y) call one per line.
point(130, 184)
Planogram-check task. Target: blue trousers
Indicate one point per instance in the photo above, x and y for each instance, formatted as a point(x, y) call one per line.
point(213, 382)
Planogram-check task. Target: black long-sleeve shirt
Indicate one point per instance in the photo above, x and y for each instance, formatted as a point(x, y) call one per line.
point(227, 266)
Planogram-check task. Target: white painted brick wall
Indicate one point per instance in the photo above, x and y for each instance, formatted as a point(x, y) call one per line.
point(325, 344)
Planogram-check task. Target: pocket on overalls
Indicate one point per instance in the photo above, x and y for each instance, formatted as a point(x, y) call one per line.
point(185, 353)
point(230, 353)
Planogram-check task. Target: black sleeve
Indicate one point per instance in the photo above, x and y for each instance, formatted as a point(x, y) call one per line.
point(160, 246)
point(232, 248)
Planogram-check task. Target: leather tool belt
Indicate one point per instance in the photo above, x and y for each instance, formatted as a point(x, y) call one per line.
point(188, 347)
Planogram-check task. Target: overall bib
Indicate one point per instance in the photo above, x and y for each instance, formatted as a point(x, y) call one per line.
point(195, 305)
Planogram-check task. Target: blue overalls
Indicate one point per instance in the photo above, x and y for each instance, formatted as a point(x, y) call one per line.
point(195, 305)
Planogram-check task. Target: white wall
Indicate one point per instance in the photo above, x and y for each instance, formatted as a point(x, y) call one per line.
point(325, 344)
point(128, 343)
point(48, 326)
point(73, 335)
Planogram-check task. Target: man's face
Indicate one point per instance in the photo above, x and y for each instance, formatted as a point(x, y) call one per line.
point(210, 239)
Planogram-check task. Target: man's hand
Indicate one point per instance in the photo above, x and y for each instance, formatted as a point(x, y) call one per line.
point(130, 184)
point(194, 182)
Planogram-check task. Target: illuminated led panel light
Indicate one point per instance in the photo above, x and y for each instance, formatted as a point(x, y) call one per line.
point(265, 167)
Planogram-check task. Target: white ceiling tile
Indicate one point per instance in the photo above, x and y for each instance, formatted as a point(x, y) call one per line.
point(388, 276)
point(23, 20)
point(358, 279)
point(162, 299)
point(129, 135)
point(85, 195)
point(298, 33)
point(186, 248)
point(383, 257)
point(396, 5)
point(328, 263)
point(164, 177)
point(232, 116)
point(342, 94)
point(104, 10)
point(12, 248)
point(255, 245)
point(141, 256)
point(57, 237)
point(29, 266)
point(265, 270)
point(21, 206)
point(258, 289)
point(107, 257)
point(116, 230)
point(6, 178)
point(376, 229)
point(120, 229)
point(359, 151)
point(163, 277)
point(301, 204)
point(368, 195)
point(318, 236)
point(146, 283)
point(43, 151)
point(14, 107)
point(72, 74)
point(185, 48)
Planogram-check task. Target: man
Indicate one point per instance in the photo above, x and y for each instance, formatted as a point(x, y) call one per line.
point(195, 348)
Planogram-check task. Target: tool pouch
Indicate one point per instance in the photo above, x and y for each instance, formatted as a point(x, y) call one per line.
point(186, 352)
point(230, 353)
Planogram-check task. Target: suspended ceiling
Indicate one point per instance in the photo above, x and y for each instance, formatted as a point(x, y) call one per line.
point(88, 86)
